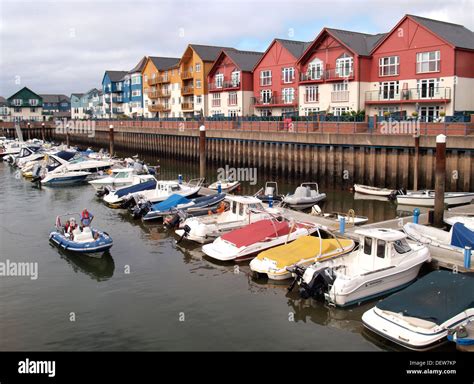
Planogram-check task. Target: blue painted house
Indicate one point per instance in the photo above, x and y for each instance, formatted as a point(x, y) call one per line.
point(113, 93)
point(56, 105)
point(133, 90)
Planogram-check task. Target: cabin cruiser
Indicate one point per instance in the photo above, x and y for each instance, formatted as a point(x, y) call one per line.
point(64, 177)
point(384, 262)
point(25, 151)
point(305, 196)
point(81, 163)
point(243, 210)
point(420, 316)
point(244, 243)
point(10, 149)
point(451, 243)
point(174, 203)
point(226, 185)
point(164, 189)
point(269, 193)
point(426, 198)
point(306, 250)
point(116, 198)
point(47, 162)
point(119, 177)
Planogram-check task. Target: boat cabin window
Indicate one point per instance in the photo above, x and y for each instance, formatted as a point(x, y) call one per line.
point(175, 188)
point(121, 175)
point(241, 209)
point(381, 248)
point(368, 245)
point(234, 207)
point(402, 246)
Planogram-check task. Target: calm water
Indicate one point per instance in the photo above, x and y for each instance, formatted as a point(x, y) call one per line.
point(167, 283)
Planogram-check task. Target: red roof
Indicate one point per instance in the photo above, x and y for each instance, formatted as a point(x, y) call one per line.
point(257, 232)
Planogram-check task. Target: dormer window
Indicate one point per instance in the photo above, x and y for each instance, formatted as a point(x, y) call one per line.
point(17, 102)
point(33, 102)
point(344, 65)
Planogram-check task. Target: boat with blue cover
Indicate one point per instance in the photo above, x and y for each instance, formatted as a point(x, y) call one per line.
point(176, 202)
point(140, 183)
point(421, 316)
point(78, 239)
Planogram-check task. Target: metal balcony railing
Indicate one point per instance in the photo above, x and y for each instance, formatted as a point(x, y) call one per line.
point(408, 95)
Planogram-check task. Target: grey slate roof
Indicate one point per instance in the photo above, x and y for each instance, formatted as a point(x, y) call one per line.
point(116, 75)
point(360, 43)
point(163, 63)
point(296, 48)
point(54, 98)
point(79, 95)
point(245, 60)
point(3, 101)
point(139, 67)
point(207, 52)
point(455, 34)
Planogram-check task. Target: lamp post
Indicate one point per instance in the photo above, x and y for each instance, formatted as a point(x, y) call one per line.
point(42, 132)
point(28, 130)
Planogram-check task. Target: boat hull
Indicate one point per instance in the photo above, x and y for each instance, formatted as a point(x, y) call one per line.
point(67, 180)
point(93, 248)
point(367, 190)
point(430, 201)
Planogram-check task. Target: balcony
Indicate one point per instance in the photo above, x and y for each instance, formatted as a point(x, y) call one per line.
point(187, 90)
point(186, 75)
point(276, 101)
point(327, 75)
point(339, 96)
point(226, 85)
point(164, 92)
point(158, 80)
point(159, 108)
point(410, 95)
point(187, 106)
point(153, 94)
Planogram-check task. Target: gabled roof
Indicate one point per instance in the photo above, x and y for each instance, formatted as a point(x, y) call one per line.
point(115, 76)
point(164, 63)
point(55, 98)
point(360, 43)
point(455, 34)
point(79, 95)
point(139, 67)
point(245, 60)
point(295, 48)
point(25, 89)
point(207, 52)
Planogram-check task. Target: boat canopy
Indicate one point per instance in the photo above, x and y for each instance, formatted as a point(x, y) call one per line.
point(170, 202)
point(136, 188)
point(382, 234)
point(256, 232)
point(436, 297)
point(462, 236)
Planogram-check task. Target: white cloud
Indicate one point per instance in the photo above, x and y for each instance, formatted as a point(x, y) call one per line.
point(65, 45)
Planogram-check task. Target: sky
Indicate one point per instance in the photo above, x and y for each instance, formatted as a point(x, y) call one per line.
point(64, 46)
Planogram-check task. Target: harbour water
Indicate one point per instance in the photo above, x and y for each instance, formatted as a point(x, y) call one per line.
point(149, 293)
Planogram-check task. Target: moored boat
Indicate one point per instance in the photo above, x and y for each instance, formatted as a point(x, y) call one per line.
point(303, 251)
point(369, 190)
point(463, 336)
point(420, 316)
point(119, 177)
point(269, 193)
point(226, 185)
point(468, 221)
point(115, 198)
point(384, 262)
point(305, 196)
point(244, 243)
point(427, 198)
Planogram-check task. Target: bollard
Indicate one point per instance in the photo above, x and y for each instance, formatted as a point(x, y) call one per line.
point(467, 257)
point(219, 187)
point(111, 140)
point(440, 182)
point(180, 179)
point(342, 225)
point(416, 215)
point(202, 151)
point(270, 201)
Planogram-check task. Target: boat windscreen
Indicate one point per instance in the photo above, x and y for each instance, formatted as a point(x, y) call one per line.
point(436, 297)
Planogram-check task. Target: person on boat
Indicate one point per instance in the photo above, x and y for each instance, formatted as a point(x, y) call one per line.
point(70, 226)
point(86, 218)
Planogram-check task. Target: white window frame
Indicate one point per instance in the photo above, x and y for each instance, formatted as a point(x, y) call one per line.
point(219, 80)
point(198, 100)
point(17, 102)
point(315, 69)
point(288, 75)
point(198, 67)
point(233, 98)
point(344, 65)
point(389, 90)
point(311, 94)
point(338, 111)
point(235, 78)
point(198, 83)
point(340, 87)
point(431, 88)
point(389, 66)
point(266, 96)
point(266, 77)
point(288, 95)
point(424, 58)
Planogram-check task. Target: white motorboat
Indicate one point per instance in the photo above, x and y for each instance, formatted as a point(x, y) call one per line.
point(226, 185)
point(64, 178)
point(420, 316)
point(452, 242)
point(363, 196)
point(119, 177)
point(81, 163)
point(426, 198)
point(166, 188)
point(383, 263)
point(468, 221)
point(10, 148)
point(244, 243)
point(368, 190)
point(115, 198)
point(305, 196)
point(242, 210)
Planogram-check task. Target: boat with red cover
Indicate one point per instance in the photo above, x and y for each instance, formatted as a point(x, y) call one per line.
point(245, 243)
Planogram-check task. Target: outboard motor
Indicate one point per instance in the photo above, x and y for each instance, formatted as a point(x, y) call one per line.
point(172, 221)
point(140, 209)
point(187, 229)
point(36, 173)
point(314, 283)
